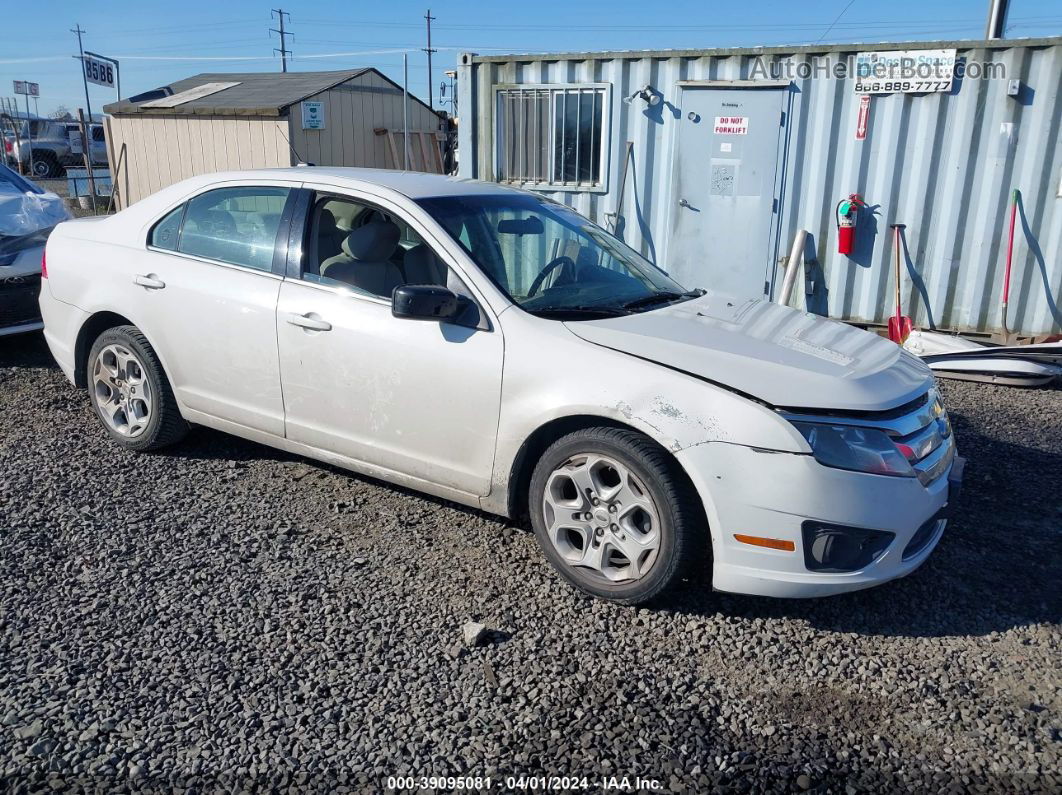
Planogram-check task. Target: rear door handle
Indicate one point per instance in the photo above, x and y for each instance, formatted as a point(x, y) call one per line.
point(149, 281)
point(303, 321)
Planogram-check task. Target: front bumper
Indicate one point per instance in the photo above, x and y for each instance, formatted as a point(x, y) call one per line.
point(770, 494)
point(20, 287)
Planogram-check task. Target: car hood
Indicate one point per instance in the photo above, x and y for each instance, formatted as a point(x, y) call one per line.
point(780, 355)
point(22, 213)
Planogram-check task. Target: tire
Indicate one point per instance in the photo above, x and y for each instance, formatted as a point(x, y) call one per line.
point(44, 165)
point(130, 393)
point(630, 555)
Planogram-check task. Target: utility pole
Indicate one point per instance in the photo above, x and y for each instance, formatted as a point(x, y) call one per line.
point(81, 50)
point(284, 51)
point(431, 87)
point(997, 19)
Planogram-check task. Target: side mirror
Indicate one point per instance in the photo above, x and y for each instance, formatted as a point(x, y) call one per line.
point(424, 302)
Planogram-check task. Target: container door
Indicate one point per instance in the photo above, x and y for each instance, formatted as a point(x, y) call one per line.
point(725, 192)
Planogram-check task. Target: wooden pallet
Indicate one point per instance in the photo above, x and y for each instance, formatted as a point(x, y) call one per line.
point(425, 154)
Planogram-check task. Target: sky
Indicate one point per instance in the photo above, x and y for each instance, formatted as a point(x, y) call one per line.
point(158, 43)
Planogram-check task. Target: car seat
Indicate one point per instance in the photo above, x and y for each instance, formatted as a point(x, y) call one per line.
point(329, 236)
point(365, 260)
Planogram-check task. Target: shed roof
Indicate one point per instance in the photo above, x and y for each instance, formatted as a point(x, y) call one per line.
point(256, 93)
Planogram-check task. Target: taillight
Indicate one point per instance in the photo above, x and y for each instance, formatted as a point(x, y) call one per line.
point(7, 146)
point(44, 264)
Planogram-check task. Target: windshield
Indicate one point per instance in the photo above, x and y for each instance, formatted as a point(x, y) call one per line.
point(550, 260)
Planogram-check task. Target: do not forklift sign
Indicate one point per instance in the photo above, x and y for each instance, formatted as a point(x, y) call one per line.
point(731, 125)
point(863, 119)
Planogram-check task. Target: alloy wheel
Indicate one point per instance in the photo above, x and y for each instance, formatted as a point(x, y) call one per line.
point(599, 516)
point(122, 390)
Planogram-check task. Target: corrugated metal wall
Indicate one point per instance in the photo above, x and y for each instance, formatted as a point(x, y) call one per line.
point(940, 163)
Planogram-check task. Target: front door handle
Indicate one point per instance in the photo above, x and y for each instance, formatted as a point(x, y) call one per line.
point(683, 203)
point(150, 281)
point(304, 321)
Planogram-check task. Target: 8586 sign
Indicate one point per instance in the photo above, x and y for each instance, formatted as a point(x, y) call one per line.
point(99, 72)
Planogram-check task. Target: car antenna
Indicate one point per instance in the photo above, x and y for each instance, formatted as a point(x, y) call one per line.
point(298, 158)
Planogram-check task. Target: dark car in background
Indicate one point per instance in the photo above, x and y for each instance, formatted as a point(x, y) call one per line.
point(27, 216)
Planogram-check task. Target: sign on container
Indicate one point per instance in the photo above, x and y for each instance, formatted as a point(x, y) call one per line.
point(863, 119)
point(904, 71)
point(731, 125)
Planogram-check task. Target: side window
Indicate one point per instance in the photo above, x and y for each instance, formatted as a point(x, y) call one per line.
point(164, 234)
point(357, 245)
point(235, 225)
point(97, 134)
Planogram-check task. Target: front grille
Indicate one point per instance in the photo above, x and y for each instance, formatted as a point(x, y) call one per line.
point(19, 300)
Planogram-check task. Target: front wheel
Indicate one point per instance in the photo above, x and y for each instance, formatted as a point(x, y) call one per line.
point(130, 392)
point(615, 515)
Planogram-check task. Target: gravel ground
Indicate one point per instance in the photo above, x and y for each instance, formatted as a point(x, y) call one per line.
point(225, 616)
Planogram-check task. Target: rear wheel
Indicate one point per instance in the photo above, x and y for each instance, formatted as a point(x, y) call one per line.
point(614, 514)
point(130, 392)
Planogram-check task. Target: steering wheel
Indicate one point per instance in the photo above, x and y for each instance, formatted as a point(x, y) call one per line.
point(551, 266)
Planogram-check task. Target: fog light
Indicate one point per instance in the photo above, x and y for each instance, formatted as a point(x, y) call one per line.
point(834, 548)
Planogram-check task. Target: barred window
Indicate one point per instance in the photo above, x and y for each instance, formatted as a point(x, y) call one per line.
point(551, 136)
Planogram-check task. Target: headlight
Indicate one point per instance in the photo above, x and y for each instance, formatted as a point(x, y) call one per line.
point(855, 448)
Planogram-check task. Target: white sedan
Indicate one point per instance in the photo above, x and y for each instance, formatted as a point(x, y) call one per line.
point(495, 348)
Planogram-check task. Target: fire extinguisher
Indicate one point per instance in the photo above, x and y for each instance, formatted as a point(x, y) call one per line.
point(847, 217)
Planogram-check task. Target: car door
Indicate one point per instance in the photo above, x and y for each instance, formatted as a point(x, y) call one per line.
point(412, 397)
point(209, 289)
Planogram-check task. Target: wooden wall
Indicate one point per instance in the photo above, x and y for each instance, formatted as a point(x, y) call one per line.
point(352, 111)
point(163, 149)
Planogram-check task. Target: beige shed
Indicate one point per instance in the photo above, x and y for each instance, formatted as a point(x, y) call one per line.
point(221, 121)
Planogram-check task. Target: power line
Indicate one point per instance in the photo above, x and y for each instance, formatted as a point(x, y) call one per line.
point(710, 27)
point(284, 51)
point(823, 36)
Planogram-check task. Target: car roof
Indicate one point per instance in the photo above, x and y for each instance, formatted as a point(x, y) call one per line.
point(412, 184)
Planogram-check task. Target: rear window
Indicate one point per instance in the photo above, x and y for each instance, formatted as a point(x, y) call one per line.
point(165, 233)
point(234, 225)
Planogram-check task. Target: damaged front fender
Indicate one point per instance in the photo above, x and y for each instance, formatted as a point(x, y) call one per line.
point(676, 409)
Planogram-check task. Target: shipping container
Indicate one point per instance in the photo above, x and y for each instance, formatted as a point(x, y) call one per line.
point(709, 161)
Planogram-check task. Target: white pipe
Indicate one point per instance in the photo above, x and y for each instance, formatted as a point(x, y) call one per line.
point(796, 259)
